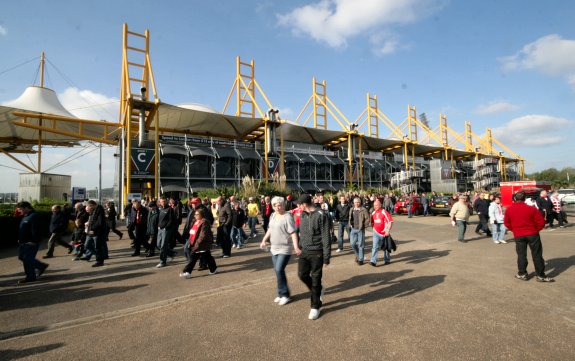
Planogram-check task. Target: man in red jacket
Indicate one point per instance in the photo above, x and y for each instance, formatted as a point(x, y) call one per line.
point(525, 222)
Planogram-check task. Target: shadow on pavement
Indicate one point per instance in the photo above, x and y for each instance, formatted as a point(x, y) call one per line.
point(556, 266)
point(18, 354)
point(418, 256)
point(383, 287)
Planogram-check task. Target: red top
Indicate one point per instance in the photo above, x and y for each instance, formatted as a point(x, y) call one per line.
point(296, 215)
point(194, 232)
point(523, 220)
point(380, 220)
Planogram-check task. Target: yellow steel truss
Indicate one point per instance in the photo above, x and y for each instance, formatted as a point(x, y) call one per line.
point(137, 73)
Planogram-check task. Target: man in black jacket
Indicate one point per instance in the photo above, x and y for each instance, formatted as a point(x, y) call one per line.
point(97, 234)
point(481, 206)
point(225, 227)
point(545, 207)
point(315, 250)
point(58, 225)
point(28, 242)
point(139, 226)
point(166, 222)
point(342, 216)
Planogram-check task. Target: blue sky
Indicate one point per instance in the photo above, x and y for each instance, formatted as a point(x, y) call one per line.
point(507, 65)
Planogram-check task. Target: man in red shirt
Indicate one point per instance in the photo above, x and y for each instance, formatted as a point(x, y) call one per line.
point(525, 222)
point(381, 222)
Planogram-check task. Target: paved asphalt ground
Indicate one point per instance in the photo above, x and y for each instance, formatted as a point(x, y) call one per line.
point(438, 300)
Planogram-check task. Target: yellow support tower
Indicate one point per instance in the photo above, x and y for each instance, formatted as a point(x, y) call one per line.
point(372, 110)
point(244, 88)
point(135, 108)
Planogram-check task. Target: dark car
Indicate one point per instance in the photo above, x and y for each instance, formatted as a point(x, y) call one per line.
point(442, 205)
point(416, 206)
point(439, 205)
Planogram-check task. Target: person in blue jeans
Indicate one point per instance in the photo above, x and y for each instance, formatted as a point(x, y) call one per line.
point(342, 216)
point(97, 234)
point(359, 221)
point(381, 222)
point(28, 242)
point(282, 236)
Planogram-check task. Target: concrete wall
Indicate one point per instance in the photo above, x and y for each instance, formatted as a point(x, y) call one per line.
point(34, 186)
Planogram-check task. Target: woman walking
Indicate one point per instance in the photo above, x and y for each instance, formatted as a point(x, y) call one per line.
point(201, 239)
point(283, 239)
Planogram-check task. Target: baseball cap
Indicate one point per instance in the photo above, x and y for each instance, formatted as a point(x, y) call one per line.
point(304, 198)
point(196, 201)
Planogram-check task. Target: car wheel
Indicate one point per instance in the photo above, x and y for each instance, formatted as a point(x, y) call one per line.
point(416, 213)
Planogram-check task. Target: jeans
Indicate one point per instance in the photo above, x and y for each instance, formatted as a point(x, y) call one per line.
point(377, 241)
point(280, 262)
point(409, 213)
point(498, 231)
point(425, 209)
point(357, 240)
point(534, 242)
point(343, 226)
point(461, 228)
point(238, 236)
point(195, 256)
point(310, 267)
point(27, 254)
point(252, 221)
point(165, 236)
point(96, 245)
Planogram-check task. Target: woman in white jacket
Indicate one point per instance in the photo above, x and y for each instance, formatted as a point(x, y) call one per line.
point(496, 221)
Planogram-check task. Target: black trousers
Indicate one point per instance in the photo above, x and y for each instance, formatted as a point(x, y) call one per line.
point(224, 239)
point(195, 256)
point(483, 224)
point(310, 267)
point(534, 243)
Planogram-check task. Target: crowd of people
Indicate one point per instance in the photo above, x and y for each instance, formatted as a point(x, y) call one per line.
point(306, 226)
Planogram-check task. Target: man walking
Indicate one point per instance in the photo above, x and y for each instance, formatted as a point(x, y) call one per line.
point(28, 242)
point(166, 222)
point(97, 233)
point(342, 216)
point(224, 230)
point(459, 215)
point(359, 221)
point(525, 222)
point(381, 222)
point(315, 250)
point(58, 225)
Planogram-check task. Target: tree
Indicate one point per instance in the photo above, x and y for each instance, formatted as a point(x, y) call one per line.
point(423, 119)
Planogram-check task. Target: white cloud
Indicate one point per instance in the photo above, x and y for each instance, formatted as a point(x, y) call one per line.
point(496, 107)
point(333, 22)
point(550, 55)
point(534, 131)
point(87, 104)
point(3, 31)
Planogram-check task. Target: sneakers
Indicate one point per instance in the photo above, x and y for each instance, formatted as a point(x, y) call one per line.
point(496, 242)
point(186, 275)
point(338, 250)
point(522, 277)
point(503, 241)
point(544, 279)
point(373, 264)
point(98, 264)
point(234, 246)
point(313, 314)
point(283, 301)
point(277, 299)
point(214, 272)
point(160, 265)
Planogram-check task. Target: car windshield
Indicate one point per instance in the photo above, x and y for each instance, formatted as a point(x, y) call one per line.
point(441, 199)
